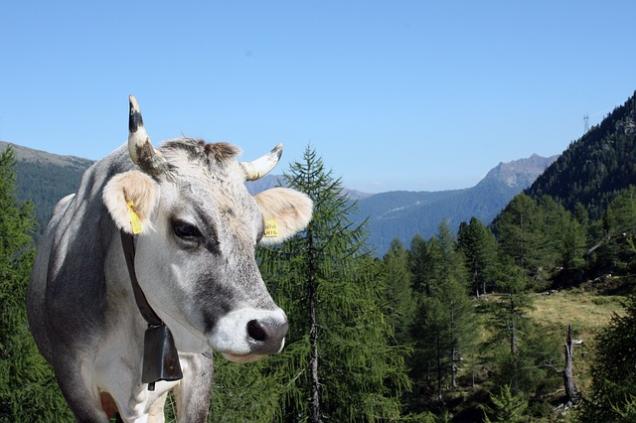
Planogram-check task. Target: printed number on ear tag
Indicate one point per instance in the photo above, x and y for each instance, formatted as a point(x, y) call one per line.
point(135, 223)
point(271, 228)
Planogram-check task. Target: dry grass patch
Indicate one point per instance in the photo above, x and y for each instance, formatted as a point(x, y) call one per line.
point(588, 313)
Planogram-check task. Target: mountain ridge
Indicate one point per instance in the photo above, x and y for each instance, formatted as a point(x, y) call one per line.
point(403, 214)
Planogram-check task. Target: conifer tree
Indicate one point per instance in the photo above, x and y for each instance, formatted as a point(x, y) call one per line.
point(419, 264)
point(508, 318)
point(444, 326)
point(616, 253)
point(479, 247)
point(517, 230)
point(28, 391)
point(520, 353)
point(613, 392)
point(541, 237)
point(573, 244)
point(400, 302)
point(506, 407)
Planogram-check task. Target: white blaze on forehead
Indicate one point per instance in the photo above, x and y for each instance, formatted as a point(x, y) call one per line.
point(230, 333)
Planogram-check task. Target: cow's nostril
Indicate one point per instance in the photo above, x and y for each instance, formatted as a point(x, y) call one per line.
point(256, 331)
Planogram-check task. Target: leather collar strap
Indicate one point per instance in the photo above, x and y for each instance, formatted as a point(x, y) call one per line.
point(128, 244)
point(161, 359)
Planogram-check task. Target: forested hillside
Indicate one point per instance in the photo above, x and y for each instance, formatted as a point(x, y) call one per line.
point(43, 178)
point(595, 167)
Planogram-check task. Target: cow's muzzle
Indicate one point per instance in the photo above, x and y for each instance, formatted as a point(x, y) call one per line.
point(247, 334)
point(267, 336)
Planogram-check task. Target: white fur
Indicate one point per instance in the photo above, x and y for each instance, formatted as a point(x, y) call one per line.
point(230, 334)
point(291, 210)
point(62, 204)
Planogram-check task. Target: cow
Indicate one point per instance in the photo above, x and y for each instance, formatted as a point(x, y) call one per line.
point(195, 229)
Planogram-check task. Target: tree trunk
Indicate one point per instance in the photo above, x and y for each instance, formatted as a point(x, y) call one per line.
point(454, 367)
point(453, 350)
point(568, 373)
point(313, 327)
point(476, 283)
point(439, 369)
point(513, 329)
point(513, 346)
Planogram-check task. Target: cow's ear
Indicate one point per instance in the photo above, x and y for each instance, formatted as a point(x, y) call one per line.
point(130, 198)
point(285, 212)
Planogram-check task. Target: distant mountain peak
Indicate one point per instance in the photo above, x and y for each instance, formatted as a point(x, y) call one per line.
point(402, 214)
point(519, 173)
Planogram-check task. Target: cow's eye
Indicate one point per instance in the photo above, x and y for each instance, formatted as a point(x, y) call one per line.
point(186, 231)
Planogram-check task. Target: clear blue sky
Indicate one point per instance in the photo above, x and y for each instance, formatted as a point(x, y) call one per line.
point(394, 94)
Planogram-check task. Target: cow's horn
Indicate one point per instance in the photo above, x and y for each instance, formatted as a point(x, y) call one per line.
point(260, 167)
point(139, 145)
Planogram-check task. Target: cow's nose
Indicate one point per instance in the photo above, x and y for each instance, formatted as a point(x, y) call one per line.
point(267, 335)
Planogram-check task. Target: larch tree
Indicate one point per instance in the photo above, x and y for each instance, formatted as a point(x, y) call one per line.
point(419, 264)
point(613, 392)
point(444, 326)
point(521, 354)
point(399, 299)
point(28, 391)
point(479, 247)
point(339, 363)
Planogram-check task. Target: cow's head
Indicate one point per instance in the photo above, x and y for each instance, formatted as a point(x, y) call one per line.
point(199, 226)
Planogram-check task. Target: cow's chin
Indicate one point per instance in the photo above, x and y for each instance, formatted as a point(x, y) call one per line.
point(242, 358)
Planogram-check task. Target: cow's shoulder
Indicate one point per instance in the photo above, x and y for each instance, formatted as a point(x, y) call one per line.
point(73, 251)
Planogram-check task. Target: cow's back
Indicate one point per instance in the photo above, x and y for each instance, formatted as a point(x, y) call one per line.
point(37, 287)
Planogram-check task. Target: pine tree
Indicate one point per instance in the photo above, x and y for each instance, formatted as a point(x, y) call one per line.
point(28, 391)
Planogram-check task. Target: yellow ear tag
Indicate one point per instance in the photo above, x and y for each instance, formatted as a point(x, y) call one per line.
point(135, 223)
point(271, 228)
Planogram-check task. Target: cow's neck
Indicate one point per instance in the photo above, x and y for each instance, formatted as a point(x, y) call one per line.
point(120, 296)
